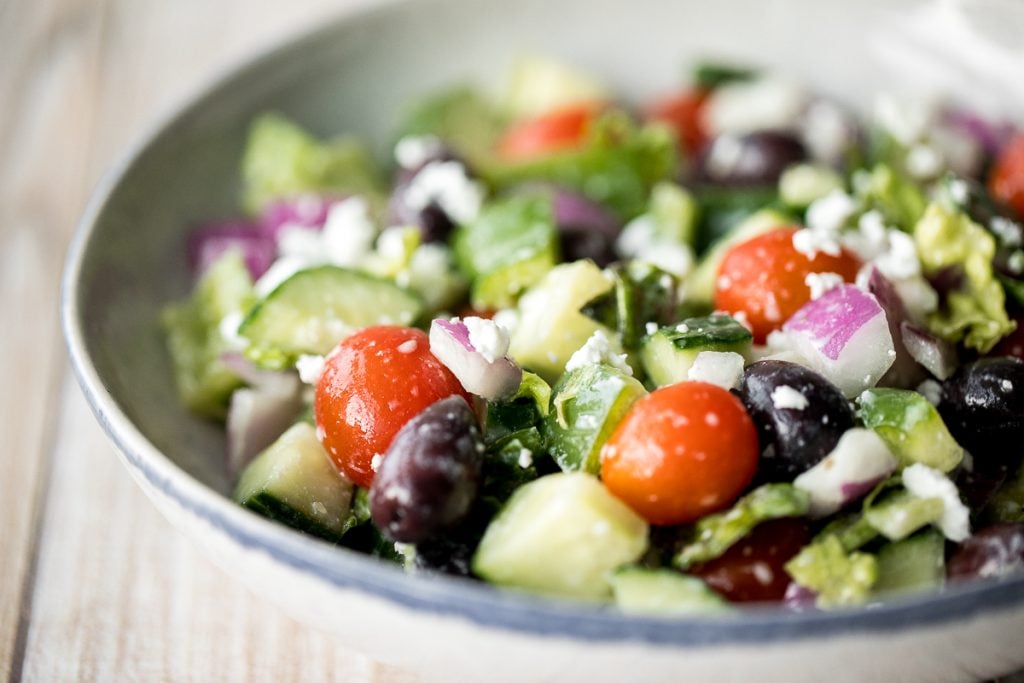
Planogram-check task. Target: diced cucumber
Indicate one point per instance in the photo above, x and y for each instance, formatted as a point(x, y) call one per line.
point(509, 247)
point(668, 354)
point(294, 482)
point(901, 514)
point(538, 85)
point(700, 286)
point(839, 578)
point(462, 117)
point(911, 427)
point(674, 212)
point(194, 338)
point(663, 592)
point(641, 293)
point(551, 327)
point(525, 409)
point(561, 534)
point(587, 404)
point(912, 565)
point(714, 534)
point(802, 184)
point(310, 312)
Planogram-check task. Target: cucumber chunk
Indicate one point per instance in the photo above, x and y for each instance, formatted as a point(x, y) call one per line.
point(668, 354)
point(912, 565)
point(662, 592)
point(551, 327)
point(314, 309)
point(901, 514)
point(911, 427)
point(294, 482)
point(562, 534)
point(587, 404)
point(538, 85)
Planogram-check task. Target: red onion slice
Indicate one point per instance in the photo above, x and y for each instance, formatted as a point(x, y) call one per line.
point(450, 343)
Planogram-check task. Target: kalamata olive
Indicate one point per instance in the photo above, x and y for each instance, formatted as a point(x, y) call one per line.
point(429, 477)
point(433, 222)
point(446, 555)
point(992, 552)
point(754, 159)
point(983, 407)
point(794, 433)
point(753, 570)
point(586, 230)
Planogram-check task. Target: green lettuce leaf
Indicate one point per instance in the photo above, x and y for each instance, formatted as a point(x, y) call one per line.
point(975, 313)
point(839, 578)
point(462, 117)
point(282, 160)
point(900, 201)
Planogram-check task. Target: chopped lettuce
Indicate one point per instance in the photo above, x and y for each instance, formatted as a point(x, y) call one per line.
point(616, 166)
point(714, 534)
point(194, 336)
point(891, 193)
point(839, 578)
point(283, 160)
point(975, 312)
point(641, 293)
point(460, 116)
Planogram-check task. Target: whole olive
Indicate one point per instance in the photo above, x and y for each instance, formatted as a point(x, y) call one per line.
point(799, 414)
point(992, 552)
point(429, 477)
point(983, 406)
point(753, 159)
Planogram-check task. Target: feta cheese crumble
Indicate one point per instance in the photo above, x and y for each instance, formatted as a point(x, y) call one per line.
point(640, 240)
point(829, 214)
point(310, 368)
point(785, 396)
point(447, 184)
point(488, 338)
point(723, 368)
point(924, 482)
point(598, 349)
point(819, 283)
point(761, 104)
point(413, 151)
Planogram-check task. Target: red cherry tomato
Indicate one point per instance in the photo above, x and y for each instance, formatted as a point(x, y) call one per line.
point(681, 452)
point(764, 279)
point(1006, 180)
point(555, 131)
point(373, 383)
point(684, 112)
point(753, 570)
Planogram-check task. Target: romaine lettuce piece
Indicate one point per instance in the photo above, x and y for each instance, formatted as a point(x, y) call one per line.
point(282, 160)
point(891, 193)
point(839, 578)
point(975, 312)
point(462, 117)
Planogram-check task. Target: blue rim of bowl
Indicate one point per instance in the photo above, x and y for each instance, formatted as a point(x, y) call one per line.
point(438, 594)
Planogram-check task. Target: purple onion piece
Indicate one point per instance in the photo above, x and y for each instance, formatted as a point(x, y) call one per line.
point(309, 211)
point(905, 372)
point(991, 136)
point(936, 355)
point(210, 241)
point(449, 342)
point(799, 598)
point(856, 490)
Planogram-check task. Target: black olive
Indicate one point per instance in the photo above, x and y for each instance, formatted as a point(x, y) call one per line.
point(754, 159)
point(992, 552)
point(983, 407)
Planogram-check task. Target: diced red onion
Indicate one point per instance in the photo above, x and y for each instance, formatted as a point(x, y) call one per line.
point(260, 413)
point(905, 372)
point(844, 335)
point(936, 355)
point(574, 211)
point(308, 211)
point(991, 136)
point(799, 597)
point(450, 343)
point(210, 241)
point(858, 462)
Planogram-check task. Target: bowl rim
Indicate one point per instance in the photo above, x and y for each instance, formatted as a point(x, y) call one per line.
point(477, 602)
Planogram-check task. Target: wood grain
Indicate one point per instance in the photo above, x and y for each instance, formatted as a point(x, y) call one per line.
point(94, 584)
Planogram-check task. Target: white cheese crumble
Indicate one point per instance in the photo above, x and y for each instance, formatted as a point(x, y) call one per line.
point(924, 482)
point(747, 106)
point(447, 184)
point(640, 240)
point(819, 283)
point(598, 349)
point(827, 131)
point(408, 346)
point(931, 390)
point(908, 120)
point(310, 368)
point(525, 458)
point(830, 213)
point(809, 242)
point(507, 319)
point(651, 328)
point(488, 338)
point(413, 151)
point(1008, 232)
point(900, 260)
point(785, 396)
point(723, 368)
point(375, 461)
point(923, 162)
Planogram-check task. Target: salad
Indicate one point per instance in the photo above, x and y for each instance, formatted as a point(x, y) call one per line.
point(735, 345)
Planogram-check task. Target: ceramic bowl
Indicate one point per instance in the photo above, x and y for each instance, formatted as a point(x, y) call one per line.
point(127, 261)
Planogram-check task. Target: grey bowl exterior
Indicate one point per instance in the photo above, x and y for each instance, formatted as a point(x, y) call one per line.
point(127, 261)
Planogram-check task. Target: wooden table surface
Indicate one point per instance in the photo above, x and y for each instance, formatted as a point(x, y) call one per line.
point(94, 584)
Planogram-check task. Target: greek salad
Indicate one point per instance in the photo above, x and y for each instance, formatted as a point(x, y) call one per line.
point(735, 345)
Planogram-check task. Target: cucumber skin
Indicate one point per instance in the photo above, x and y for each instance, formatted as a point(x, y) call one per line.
point(911, 427)
point(668, 354)
point(588, 404)
point(912, 565)
point(639, 590)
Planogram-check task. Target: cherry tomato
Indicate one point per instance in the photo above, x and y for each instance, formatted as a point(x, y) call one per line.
point(764, 279)
point(1006, 180)
point(681, 452)
point(373, 383)
point(753, 570)
point(556, 131)
point(684, 112)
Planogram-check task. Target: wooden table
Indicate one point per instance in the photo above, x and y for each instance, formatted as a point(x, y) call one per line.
point(94, 584)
